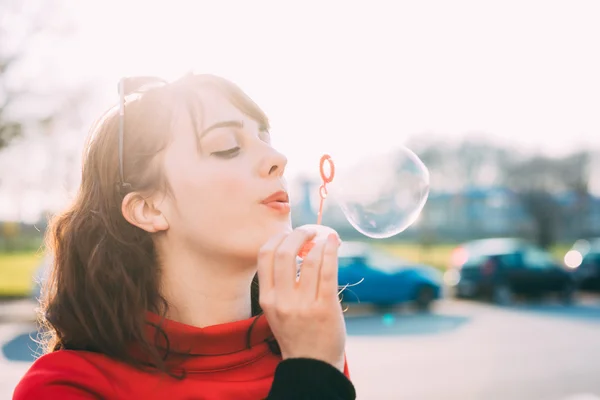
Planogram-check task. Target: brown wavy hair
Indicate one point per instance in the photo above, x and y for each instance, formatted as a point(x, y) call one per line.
point(105, 272)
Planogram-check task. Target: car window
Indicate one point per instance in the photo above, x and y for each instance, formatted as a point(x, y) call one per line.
point(384, 261)
point(474, 261)
point(512, 260)
point(591, 258)
point(538, 259)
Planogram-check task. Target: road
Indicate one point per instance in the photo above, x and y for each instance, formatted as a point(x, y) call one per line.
point(463, 350)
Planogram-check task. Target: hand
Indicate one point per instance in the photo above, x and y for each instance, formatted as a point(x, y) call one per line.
point(305, 315)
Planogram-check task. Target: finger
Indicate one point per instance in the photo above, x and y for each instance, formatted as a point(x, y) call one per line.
point(284, 274)
point(266, 261)
point(309, 272)
point(328, 279)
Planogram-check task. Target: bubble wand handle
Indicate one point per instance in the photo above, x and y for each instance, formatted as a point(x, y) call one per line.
point(326, 178)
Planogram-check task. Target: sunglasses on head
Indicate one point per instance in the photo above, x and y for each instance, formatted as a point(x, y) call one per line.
point(126, 87)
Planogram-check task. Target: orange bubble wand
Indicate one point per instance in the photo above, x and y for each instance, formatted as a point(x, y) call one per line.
point(326, 178)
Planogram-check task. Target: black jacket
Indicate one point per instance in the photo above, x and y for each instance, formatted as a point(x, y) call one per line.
point(309, 379)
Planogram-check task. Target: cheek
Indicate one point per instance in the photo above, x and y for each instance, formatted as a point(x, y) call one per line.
point(236, 189)
point(225, 186)
point(197, 183)
point(213, 195)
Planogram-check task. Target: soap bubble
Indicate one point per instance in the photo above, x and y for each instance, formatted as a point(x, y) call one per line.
point(383, 194)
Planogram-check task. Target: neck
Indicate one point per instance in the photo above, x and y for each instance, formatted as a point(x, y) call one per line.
point(204, 292)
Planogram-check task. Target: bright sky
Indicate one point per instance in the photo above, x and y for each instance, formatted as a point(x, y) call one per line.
point(369, 73)
point(349, 77)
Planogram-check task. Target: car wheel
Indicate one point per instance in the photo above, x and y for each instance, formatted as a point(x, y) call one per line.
point(502, 294)
point(424, 298)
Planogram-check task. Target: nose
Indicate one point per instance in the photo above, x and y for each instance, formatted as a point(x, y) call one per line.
point(273, 164)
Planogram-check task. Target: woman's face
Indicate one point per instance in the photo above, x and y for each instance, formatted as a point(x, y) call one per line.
point(219, 178)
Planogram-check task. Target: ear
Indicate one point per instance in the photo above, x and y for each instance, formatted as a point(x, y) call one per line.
point(140, 211)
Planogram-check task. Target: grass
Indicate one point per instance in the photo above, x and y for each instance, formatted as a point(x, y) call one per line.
point(16, 273)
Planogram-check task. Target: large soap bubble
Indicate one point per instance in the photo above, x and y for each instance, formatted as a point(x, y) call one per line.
point(381, 195)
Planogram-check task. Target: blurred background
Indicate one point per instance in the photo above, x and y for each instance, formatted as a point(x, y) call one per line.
point(492, 294)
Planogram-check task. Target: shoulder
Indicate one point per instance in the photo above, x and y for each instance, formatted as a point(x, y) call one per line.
point(65, 374)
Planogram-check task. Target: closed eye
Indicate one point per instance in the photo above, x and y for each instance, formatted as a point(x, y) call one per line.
point(229, 153)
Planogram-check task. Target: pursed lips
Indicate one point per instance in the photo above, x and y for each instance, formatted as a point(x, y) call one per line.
point(278, 201)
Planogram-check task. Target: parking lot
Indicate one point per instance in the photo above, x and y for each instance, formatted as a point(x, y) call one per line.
point(462, 350)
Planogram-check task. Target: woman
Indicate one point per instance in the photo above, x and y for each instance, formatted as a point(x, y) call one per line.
point(154, 293)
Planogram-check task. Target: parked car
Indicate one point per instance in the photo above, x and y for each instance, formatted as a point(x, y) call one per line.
point(498, 269)
point(378, 278)
point(584, 259)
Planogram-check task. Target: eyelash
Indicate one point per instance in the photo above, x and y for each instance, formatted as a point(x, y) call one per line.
point(230, 153)
point(265, 136)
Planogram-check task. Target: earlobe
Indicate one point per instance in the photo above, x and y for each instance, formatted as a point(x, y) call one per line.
point(160, 222)
point(139, 211)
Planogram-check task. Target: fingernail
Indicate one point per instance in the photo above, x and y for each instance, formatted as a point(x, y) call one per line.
point(334, 239)
point(306, 249)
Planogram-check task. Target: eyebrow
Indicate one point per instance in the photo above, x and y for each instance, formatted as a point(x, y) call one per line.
point(222, 124)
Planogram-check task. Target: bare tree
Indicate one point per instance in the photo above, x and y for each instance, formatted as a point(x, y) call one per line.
point(539, 179)
point(22, 22)
point(575, 172)
point(475, 161)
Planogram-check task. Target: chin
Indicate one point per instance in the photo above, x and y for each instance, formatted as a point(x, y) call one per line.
point(246, 243)
point(252, 248)
point(277, 229)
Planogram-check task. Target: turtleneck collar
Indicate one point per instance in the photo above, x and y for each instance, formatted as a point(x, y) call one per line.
point(213, 340)
point(213, 347)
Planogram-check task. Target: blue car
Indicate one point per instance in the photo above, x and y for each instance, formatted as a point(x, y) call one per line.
point(378, 278)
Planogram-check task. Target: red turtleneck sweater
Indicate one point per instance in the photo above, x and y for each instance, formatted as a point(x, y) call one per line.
point(221, 366)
